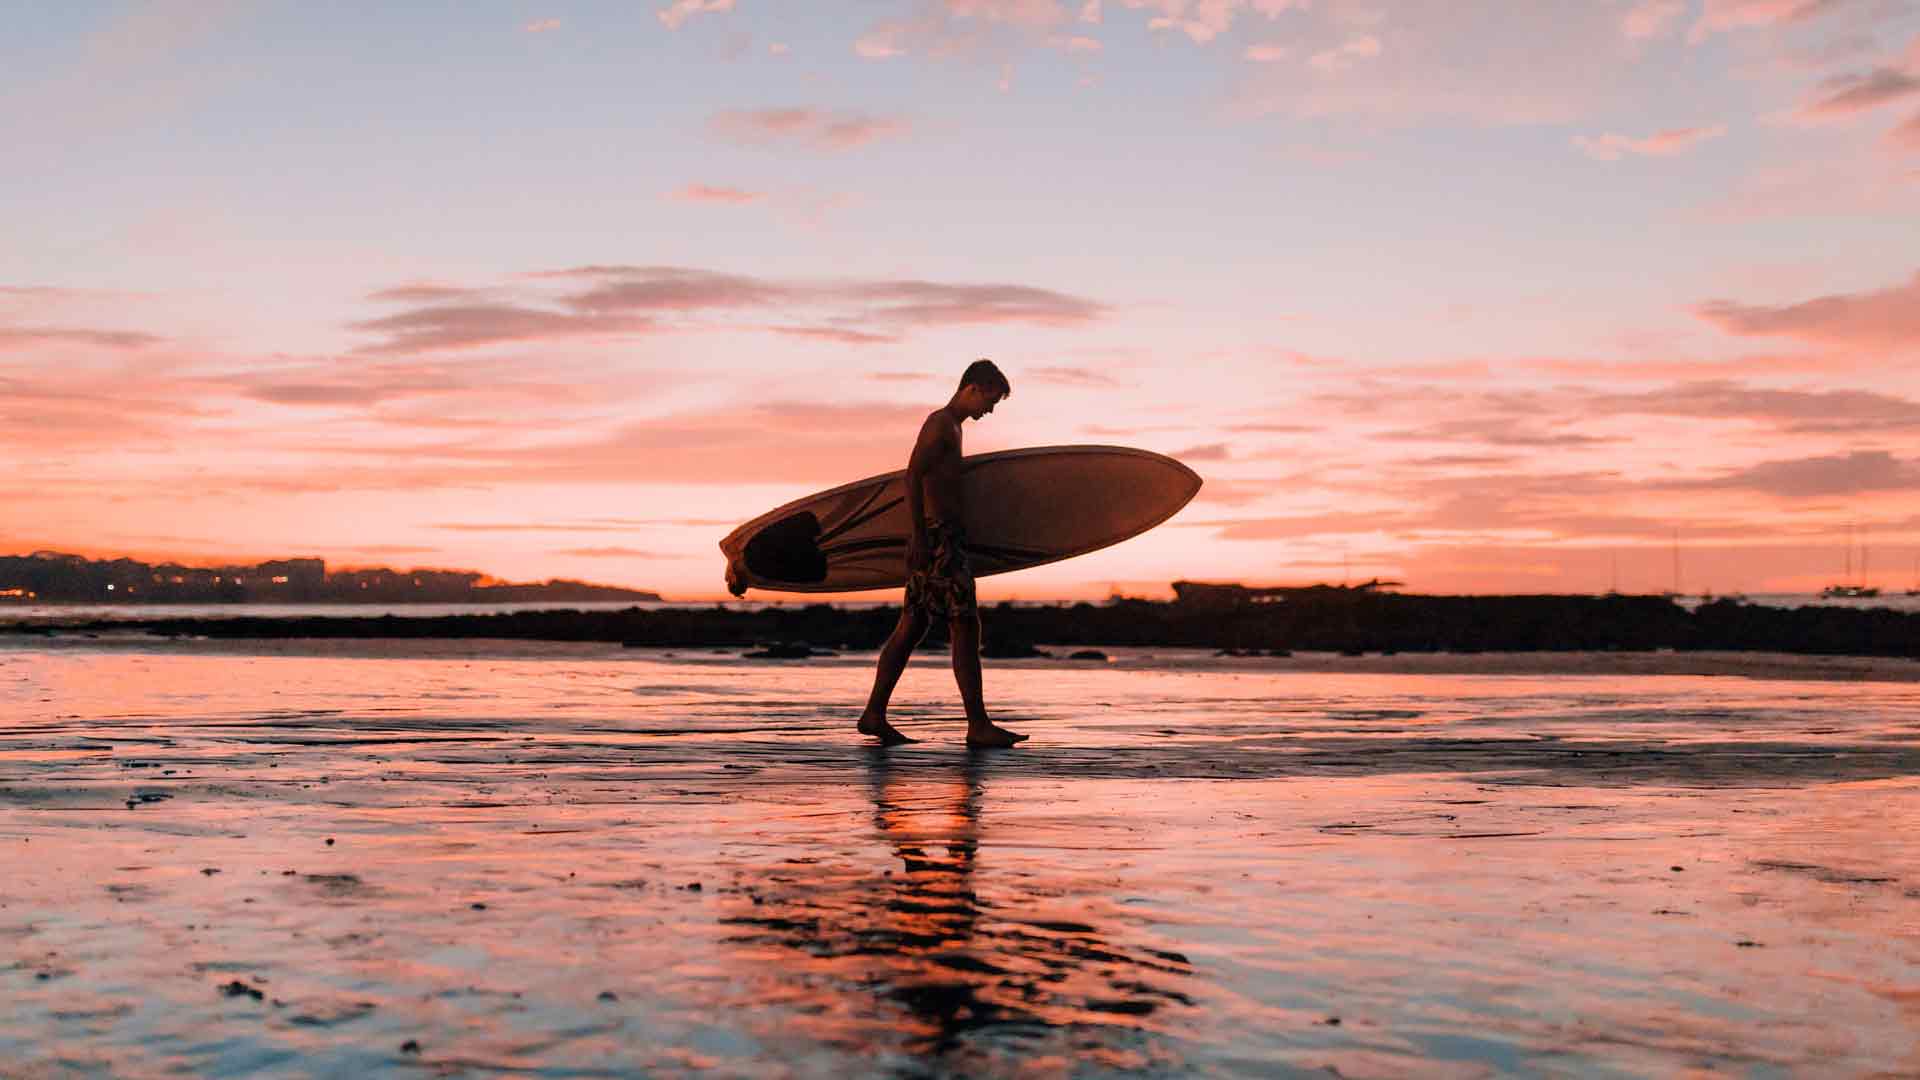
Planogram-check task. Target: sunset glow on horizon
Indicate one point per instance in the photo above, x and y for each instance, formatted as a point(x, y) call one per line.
point(1473, 297)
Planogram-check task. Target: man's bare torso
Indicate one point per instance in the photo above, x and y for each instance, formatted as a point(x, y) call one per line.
point(936, 457)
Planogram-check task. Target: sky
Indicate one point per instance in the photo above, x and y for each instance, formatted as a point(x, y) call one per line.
point(1477, 296)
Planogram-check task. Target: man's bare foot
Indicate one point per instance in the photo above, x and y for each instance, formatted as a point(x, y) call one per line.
point(878, 727)
point(988, 733)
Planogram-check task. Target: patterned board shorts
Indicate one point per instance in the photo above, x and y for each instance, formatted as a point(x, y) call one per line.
point(943, 589)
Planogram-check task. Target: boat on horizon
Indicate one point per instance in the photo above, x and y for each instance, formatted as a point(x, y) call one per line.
point(1857, 591)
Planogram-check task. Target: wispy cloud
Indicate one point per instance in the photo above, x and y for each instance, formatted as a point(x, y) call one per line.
point(463, 326)
point(1803, 411)
point(1346, 54)
point(1071, 376)
point(70, 335)
point(1882, 318)
point(711, 193)
point(1855, 473)
point(1846, 95)
point(837, 334)
point(1611, 146)
point(816, 129)
point(605, 301)
point(1651, 18)
point(1724, 15)
point(676, 14)
point(1907, 135)
point(425, 292)
point(616, 553)
point(541, 26)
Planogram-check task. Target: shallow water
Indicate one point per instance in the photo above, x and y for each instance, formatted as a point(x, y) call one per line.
point(690, 863)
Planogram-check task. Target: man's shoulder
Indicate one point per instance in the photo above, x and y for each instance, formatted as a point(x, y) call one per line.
point(939, 420)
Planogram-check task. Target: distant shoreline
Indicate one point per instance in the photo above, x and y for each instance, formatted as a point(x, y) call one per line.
point(1336, 621)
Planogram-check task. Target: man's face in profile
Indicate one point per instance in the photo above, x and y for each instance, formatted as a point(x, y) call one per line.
point(980, 401)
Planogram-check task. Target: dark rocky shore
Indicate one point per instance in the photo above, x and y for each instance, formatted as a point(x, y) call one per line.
point(1335, 620)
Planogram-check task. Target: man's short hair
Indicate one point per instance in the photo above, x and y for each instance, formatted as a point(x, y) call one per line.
point(986, 375)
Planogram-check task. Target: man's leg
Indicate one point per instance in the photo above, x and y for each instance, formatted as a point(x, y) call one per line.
point(893, 660)
point(966, 672)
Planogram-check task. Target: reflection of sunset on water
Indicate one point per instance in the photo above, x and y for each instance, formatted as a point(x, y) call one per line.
point(924, 950)
point(1201, 864)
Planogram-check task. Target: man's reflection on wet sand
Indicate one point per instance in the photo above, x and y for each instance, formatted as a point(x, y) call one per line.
point(919, 958)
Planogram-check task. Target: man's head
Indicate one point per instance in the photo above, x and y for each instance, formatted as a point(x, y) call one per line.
point(982, 386)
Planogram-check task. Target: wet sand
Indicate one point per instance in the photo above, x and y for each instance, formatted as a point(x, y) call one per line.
point(576, 861)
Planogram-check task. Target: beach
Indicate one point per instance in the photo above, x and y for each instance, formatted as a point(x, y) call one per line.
point(473, 858)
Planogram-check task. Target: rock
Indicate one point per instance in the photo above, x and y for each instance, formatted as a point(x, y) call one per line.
point(1087, 654)
point(236, 988)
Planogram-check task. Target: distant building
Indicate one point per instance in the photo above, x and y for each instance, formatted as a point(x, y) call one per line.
point(56, 577)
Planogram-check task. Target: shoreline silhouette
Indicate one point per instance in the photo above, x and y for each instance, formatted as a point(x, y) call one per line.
point(1334, 620)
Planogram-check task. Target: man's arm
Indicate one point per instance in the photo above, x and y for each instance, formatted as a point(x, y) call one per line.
point(927, 450)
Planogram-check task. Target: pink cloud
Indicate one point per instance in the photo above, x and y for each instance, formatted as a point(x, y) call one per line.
point(1266, 53)
point(838, 335)
point(1036, 13)
point(1907, 135)
point(1845, 95)
point(1610, 147)
point(424, 293)
point(611, 301)
point(1806, 411)
point(926, 303)
point(665, 288)
point(1344, 55)
point(1651, 18)
point(676, 14)
point(814, 128)
point(1204, 20)
point(1072, 376)
point(541, 26)
point(1854, 473)
point(1724, 15)
point(1304, 525)
point(462, 326)
point(708, 193)
point(1497, 431)
point(1882, 318)
point(1480, 59)
point(68, 335)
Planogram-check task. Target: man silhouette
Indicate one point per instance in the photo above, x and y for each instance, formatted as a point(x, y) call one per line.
point(939, 580)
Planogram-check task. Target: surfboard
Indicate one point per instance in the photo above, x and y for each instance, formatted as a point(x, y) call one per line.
point(1024, 507)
